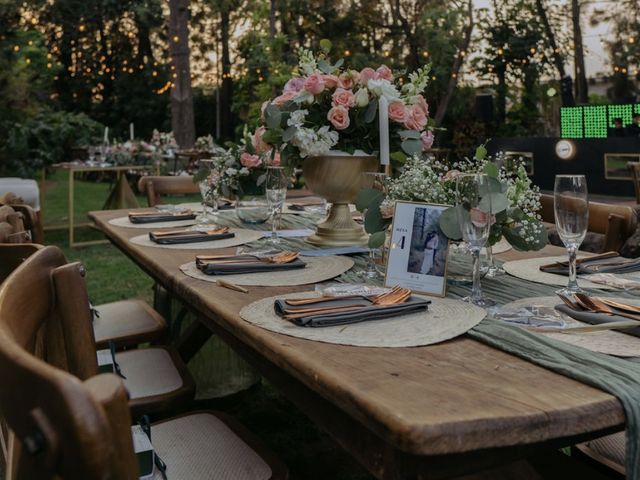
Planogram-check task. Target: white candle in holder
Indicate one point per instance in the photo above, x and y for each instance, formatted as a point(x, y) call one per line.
point(131, 131)
point(383, 115)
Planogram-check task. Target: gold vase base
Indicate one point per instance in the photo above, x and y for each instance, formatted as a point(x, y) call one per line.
point(339, 230)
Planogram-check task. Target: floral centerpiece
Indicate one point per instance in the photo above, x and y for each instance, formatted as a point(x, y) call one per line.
point(326, 107)
point(131, 152)
point(515, 200)
point(164, 142)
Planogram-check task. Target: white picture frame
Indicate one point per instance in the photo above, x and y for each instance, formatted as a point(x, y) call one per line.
point(418, 249)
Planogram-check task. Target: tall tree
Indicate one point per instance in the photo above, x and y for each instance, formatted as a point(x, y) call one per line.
point(182, 119)
point(581, 85)
point(558, 59)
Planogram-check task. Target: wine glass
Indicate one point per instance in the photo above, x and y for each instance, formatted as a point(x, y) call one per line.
point(475, 220)
point(377, 181)
point(571, 209)
point(276, 188)
point(210, 172)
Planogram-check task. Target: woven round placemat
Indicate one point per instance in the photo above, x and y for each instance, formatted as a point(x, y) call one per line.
point(124, 222)
point(242, 236)
point(529, 269)
point(500, 247)
point(608, 341)
point(445, 319)
point(318, 269)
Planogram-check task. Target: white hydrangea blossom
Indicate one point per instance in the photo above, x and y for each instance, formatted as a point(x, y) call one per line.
point(296, 119)
point(306, 61)
point(383, 88)
point(313, 143)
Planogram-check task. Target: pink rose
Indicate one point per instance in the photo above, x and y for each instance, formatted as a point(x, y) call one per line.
point(295, 84)
point(384, 72)
point(314, 83)
point(256, 140)
point(422, 103)
point(284, 98)
point(416, 119)
point(426, 138)
point(339, 117)
point(366, 74)
point(347, 80)
point(397, 112)
point(480, 218)
point(343, 97)
point(452, 174)
point(330, 81)
point(249, 161)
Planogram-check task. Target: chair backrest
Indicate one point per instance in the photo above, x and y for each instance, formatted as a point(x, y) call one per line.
point(61, 427)
point(156, 186)
point(12, 255)
point(12, 228)
point(635, 175)
point(616, 222)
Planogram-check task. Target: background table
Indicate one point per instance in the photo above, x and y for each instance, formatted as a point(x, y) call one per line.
point(438, 411)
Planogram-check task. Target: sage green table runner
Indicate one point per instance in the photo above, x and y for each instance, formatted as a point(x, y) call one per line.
point(616, 376)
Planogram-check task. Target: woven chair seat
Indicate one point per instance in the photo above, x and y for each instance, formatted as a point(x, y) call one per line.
point(127, 323)
point(609, 450)
point(201, 446)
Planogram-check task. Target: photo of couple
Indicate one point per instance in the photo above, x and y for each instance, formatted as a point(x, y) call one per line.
point(428, 249)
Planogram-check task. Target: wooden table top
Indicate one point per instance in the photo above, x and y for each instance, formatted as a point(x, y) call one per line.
point(455, 397)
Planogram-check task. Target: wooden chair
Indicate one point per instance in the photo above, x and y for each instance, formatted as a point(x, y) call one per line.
point(635, 175)
point(64, 428)
point(156, 186)
point(30, 218)
point(616, 222)
point(126, 323)
point(12, 228)
point(608, 451)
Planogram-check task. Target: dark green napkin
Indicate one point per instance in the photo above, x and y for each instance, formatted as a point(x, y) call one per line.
point(366, 313)
point(602, 265)
point(593, 318)
point(161, 217)
point(213, 268)
point(188, 237)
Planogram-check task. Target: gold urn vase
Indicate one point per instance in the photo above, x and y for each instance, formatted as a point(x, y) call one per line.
point(337, 177)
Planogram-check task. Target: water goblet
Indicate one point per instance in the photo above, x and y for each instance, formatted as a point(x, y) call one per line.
point(276, 188)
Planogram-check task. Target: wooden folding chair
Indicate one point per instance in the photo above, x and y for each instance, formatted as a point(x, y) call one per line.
point(635, 176)
point(64, 428)
point(615, 222)
point(157, 186)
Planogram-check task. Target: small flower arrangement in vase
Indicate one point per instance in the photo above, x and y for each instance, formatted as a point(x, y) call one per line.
point(336, 121)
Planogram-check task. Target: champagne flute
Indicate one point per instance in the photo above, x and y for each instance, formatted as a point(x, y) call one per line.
point(276, 188)
point(377, 181)
point(475, 220)
point(571, 209)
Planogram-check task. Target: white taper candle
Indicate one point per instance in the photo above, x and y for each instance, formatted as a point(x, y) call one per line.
point(106, 134)
point(131, 137)
point(383, 114)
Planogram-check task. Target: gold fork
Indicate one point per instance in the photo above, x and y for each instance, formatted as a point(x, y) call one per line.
point(311, 301)
point(280, 258)
point(600, 307)
point(216, 231)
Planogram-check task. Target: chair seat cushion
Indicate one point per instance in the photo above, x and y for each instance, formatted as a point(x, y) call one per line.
point(609, 450)
point(127, 323)
point(149, 372)
point(201, 446)
point(24, 188)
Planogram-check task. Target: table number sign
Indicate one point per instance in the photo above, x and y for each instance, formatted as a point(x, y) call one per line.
point(419, 249)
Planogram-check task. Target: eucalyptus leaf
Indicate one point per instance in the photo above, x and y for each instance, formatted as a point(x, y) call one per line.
point(409, 134)
point(261, 179)
point(273, 136)
point(481, 152)
point(272, 116)
point(324, 66)
point(494, 202)
point(338, 64)
point(366, 197)
point(449, 223)
point(412, 147)
point(289, 133)
point(491, 169)
point(373, 221)
point(398, 157)
point(371, 112)
point(377, 239)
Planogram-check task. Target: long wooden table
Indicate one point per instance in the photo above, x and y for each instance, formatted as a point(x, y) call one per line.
point(428, 412)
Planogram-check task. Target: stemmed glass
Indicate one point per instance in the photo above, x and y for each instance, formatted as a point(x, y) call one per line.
point(377, 181)
point(210, 172)
point(276, 187)
point(475, 220)
point(571, 209)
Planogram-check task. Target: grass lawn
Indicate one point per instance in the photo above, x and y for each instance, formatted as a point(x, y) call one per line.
point(310, 454)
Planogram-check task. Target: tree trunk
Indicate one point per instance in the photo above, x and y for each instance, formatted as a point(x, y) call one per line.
point(455, 70)
point(557, 58)
point(182, 118)
point(226, 125)
point(582, 89)
point(273, 8)
point(501, 98)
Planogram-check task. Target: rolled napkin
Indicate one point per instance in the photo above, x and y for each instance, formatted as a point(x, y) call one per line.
point(594, 318)
point(227, 267)
point(189, 236)
point(152, 217)
point(367, 312)
point(606, 263)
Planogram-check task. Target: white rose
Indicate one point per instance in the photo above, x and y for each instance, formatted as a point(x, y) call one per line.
point(362, 97)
